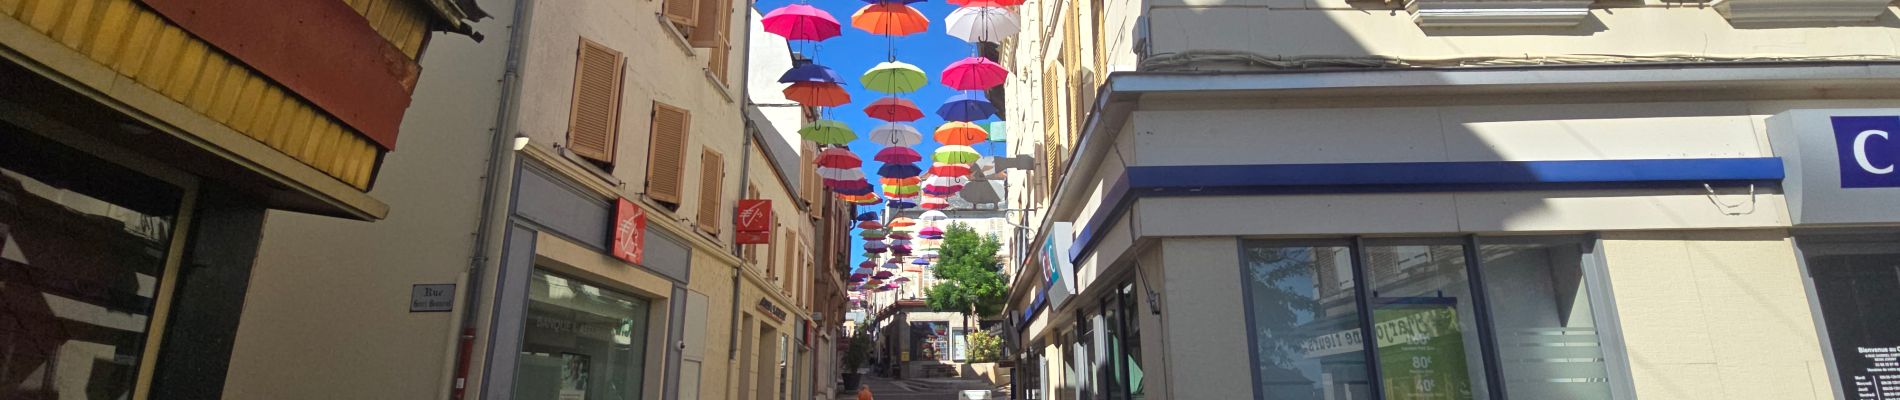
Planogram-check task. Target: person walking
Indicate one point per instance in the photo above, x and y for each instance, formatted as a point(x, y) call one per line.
point(864, 392)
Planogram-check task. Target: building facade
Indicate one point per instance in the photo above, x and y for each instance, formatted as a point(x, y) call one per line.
point(1511, 199)
point(142, 145)
point(609, 219)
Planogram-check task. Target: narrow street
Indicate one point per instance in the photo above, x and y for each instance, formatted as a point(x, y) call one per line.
point(923, 388)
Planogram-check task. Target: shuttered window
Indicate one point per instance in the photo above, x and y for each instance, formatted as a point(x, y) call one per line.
point(712, 24)
point(593, 122)
point(791, 262)
point(1051, 127)
point(666, 154)
point(712, 172)
point(808, 172)
point(682, 12)
point(719, 60)
point(771, 255)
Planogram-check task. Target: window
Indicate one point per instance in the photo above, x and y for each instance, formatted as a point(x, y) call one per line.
point(1857, 282)
point(684, 13)
point(593, 123)
point(712, 173)
point(666, 154)
point(581, 341)
point(1516, 319)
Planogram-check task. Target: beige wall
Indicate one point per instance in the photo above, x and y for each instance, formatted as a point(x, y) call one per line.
point(1716, 315)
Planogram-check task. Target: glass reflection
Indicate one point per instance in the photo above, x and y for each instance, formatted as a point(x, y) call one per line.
point(1305, 322)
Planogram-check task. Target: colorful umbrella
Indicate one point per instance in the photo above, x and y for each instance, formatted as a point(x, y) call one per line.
point(933, 216)
point(867, 233)
point(959, 134)
point(818, 94)
point(870, 225)
point(897, 154)
point(810, 72)
point(982, 24)
point(853, 190)
point(890, 19)
point(867, 264)
point(897, 135)
point(866, 216)
point(947, 181)
point(894, 77)
point(838, 158)
point(801, 22)
point(901, 204)
point(846, 183)
point(934, 203)
point(901, 279)
point(900, 191)
point(985, 3)
point(889, 265)
point(920, 261)
point(900, 235)
point(901, 181)
point(900, 250)
point(900, 222)
point(953, 154)
point(894, 109)
point(899, 242)
point(826, 131)
point(842, 174)
point(974, 73)
point(941, 190)
point(899, 170)
point(893, 1)
point(967, 106)
point(882, 275)
point(941, 169)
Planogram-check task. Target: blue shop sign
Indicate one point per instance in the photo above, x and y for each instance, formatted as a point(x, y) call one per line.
point(1868, 150)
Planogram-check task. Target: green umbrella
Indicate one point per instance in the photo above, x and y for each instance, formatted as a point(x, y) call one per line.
point(955, 155)
point(826, 131)
point(894, 77)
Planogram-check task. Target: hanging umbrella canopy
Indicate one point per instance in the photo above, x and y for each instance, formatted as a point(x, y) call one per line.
point(900, 222)
point(854, 190)
point(986, 3)
point(900, 191)
point(801, 22)
point(941, 190)
point(875, 245)
point(890, 19)
point(838, 158)
point(842, 174)
point(852, 184)
point(893, 1)
point(882, 275)
point(955, 155)
point(892, 109)
point(894, 77)
point(967, 106)
point(867, 264)
point(920, 261)
point(870, 225)
point(933, 216)
point(818, 94)
point(974, 73)
point(902, 204)
point(866, 216)
point(859, 277)
point(826, 131)
point(896, 135)
point(942, 169)
point(905, 236)
point(868, 233)
point(902, 181)
point(900, 250)
point(960, 134)
point(946, 181)
point(899, 242)
point(889, 265)
point(898, 155)
point(982, 24)
point(810, 72)
point(901, 279)
point(934, 203)
point(899, 170)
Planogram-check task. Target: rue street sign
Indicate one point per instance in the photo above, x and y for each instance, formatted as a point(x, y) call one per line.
point(439, 297)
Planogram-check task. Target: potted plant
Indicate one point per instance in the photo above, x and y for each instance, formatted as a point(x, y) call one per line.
point(854, 357)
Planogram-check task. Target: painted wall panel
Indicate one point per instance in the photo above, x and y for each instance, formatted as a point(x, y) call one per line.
point(1297, 214)
point(1203, 296)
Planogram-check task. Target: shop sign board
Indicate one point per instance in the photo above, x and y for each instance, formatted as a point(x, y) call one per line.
point(1843, 165)
point(1421, 351)
point(1057, 272)
point(630, 228)
point(753, 221)
point(438, 297)
point(766, 306)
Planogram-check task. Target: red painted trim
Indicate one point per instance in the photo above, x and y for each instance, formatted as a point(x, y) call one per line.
point(321, 50)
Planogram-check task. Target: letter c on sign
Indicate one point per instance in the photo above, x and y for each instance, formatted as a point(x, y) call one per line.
point(1860, 152)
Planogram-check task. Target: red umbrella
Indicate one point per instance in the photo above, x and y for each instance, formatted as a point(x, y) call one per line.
point(941, 169)
point(818, 94)
point(974, 73)
point(801, 22)
point(839, 158)
point(849, 184)
point(894, 110)
point(897, 155)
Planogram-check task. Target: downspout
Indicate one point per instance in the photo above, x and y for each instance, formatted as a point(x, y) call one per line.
point(500, 156)
point(745, 163)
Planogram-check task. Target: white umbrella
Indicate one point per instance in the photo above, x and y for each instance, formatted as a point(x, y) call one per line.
point(933, 215)
point(946, 181)
point(896, 134)
point(982, 24)
point(841, 174)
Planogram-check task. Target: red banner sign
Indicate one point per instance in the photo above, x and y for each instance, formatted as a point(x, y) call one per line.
point(630, 232)
point(754, 215)
point(754, 237)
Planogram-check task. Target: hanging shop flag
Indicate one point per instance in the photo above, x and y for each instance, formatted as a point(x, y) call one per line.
point(753, 221)
point(630, 231)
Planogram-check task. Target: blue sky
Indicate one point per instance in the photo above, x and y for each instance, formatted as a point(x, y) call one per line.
point(856, 51)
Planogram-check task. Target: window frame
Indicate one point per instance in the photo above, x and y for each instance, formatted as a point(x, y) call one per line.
point(1591, 262)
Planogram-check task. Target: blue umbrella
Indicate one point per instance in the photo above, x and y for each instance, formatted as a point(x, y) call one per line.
point(966, 106)
point(920, 261)
point(869, 216)
point(854, 191)
point(899, 170)
point(810, 72)
point(903, 204)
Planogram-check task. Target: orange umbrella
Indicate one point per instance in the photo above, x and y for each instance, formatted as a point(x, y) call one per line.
point(909, 181)
point(818, 94)
point(902, 222)
point(895, 19)
point(960, 134)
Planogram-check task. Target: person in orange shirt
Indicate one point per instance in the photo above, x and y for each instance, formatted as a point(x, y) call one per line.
point(864, 392)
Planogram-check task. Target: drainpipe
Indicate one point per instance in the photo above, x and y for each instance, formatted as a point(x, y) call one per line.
point(745, 164)
point(500, 156)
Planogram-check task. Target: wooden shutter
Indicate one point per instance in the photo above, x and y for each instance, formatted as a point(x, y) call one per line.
point(719, 61)
point(666, 153)
point(712, 172)
point(712, 24)
point(1051, 127)
point(683, 12)
point(771, 255)
point(751, 250)
point(593, 121)
point(791, 262)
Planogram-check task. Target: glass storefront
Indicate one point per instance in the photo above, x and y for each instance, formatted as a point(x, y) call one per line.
point(1104, 359)
point(1857, 283)
point(582, 342)
point(83, 244)
point(1530, 332)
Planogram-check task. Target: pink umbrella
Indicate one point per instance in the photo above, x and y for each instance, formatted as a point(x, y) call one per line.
point(930, 230)
point(974, 73)
point(801, 22)
point(897, 154)
point(867, 264)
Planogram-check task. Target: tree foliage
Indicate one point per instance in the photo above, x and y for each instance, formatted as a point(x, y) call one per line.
point(969, 276)
point(984, 347)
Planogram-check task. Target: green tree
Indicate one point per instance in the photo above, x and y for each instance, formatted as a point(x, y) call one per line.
point(969, 277)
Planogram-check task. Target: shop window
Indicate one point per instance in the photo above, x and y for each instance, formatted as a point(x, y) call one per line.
point(1517, 319)
point(1857, 283)
point(83, 246)
point(1130, 343)
point(581, 342)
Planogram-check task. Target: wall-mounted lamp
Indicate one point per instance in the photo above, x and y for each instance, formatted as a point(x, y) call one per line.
point(521, 142)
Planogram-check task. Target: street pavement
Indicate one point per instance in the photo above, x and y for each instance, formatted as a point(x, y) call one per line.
point(923, 389)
